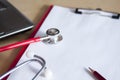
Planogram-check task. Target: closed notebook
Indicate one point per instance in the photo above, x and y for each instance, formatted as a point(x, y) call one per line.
point(89, 40)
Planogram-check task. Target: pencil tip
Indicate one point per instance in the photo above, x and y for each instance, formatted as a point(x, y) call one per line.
point(91, 69)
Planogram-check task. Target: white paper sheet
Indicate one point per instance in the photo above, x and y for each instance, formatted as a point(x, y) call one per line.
point(88, 41)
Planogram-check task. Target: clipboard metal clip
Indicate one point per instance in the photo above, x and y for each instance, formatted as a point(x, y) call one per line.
point(36, 58)
point(97, 11)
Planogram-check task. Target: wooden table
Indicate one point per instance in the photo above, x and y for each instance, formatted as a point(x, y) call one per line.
point(34, 9)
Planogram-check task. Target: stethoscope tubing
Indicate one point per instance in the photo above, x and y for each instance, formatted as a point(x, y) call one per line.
point(39, 59)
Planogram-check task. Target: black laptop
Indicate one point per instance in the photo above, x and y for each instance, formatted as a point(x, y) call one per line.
point(11, 20)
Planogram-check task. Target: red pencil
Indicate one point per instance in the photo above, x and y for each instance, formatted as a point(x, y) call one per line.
point(21, 43)
point(97, 75)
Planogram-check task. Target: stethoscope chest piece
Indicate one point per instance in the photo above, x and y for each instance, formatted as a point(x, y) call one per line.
point(54, 36)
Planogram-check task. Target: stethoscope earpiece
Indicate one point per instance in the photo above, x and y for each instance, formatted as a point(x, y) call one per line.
point(30, 54)
point(47, 74)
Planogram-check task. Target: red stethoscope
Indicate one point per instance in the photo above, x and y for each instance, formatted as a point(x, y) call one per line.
point(52, 36)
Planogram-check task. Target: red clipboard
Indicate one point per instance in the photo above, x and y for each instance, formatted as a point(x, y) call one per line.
point(31, 36)
point(96, 45)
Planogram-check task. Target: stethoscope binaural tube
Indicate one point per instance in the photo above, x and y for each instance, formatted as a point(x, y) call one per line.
point(38, 59)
